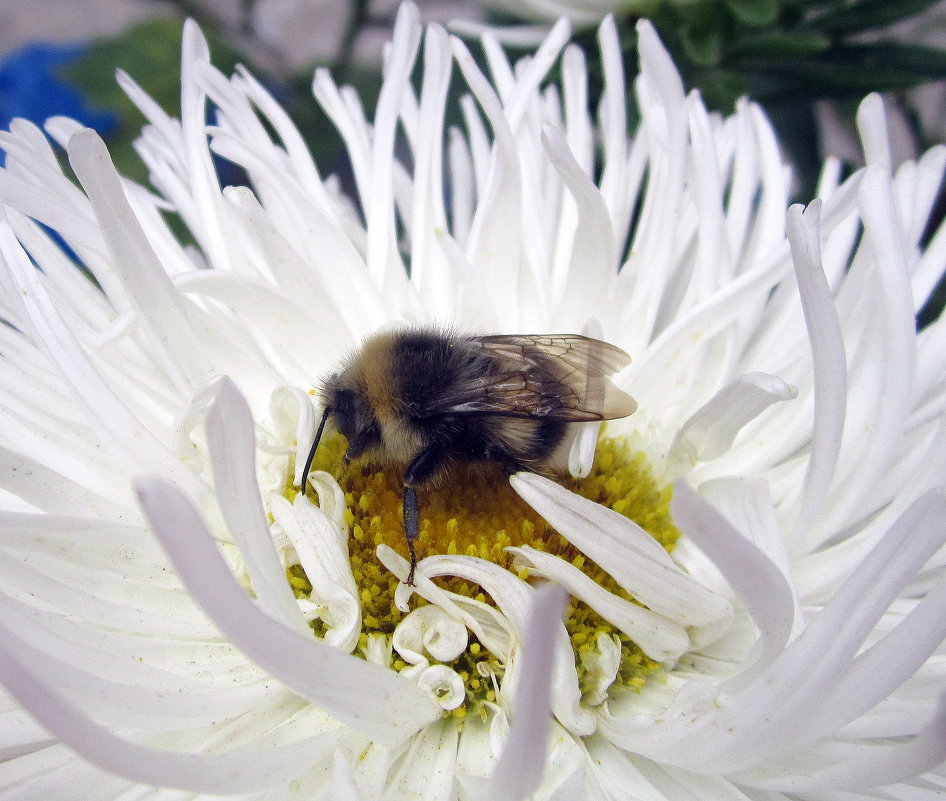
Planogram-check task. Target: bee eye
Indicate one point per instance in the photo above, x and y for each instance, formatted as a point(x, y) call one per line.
point(342, 424)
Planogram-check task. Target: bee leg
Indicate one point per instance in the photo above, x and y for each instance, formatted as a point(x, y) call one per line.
point(427, 463)
point(410, 528)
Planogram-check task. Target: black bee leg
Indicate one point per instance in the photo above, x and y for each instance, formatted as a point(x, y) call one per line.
point(410, 528)
point(428, 462)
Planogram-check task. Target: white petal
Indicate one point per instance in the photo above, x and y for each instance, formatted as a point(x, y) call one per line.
point(657, 636)
point(430, 629)
point(332, 503)
point(763, 587)
point(521, 764)
point(536, 70)
point(828, 358)
point(159, 308)
point(929, 268)
point(432, 755)
point(495, 244)
point(369, 698)
point(711, 430)
point(872, 127)
point(322, 549)
point(601, 668)
point(581, 455)
point(592, 263)
point(232, 448)
point(882, 378)
point(382, 258)
point(431, 271)
point(628, 553)
point(240, 770)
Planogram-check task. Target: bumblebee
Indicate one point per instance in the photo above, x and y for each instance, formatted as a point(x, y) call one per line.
point(427, 399)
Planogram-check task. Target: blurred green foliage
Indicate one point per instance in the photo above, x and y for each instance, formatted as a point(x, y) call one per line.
point(775, 50)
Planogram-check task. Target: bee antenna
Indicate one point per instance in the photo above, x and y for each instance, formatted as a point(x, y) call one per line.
point(315, 445)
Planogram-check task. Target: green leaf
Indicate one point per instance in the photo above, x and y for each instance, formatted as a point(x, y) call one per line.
point(721, 90)
point(776, 45)
point(702, 46)
point(640, 8)
point(926, 63)
point(866, 15)
point(856, 69)
point(149, 52)
point(754, 13)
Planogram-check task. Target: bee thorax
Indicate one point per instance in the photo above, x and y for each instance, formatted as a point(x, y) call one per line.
point(401, 440)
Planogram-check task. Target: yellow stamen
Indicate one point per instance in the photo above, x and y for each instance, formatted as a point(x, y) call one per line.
point(474, 511)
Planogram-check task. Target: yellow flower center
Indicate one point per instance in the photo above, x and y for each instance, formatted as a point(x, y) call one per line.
point(475, 512)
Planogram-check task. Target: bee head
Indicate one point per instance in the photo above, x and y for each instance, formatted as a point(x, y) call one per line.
point(351, 415)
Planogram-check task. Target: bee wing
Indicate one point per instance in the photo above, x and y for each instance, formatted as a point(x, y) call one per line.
point(554, 377)
point(592, 356)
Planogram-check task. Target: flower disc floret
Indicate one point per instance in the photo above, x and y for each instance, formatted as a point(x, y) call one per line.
point(474, 512)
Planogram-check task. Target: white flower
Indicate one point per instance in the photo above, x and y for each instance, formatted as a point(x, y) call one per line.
point(790, 643)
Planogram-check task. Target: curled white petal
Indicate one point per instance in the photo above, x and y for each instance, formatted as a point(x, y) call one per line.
point(331, 502)
point(323, 553)
point(444, 684)
point(291, 411)
point(490, 626)
point(379, 650)
point(711, 430)
point(430, 629)
point(601, 668)
point(511, 595)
